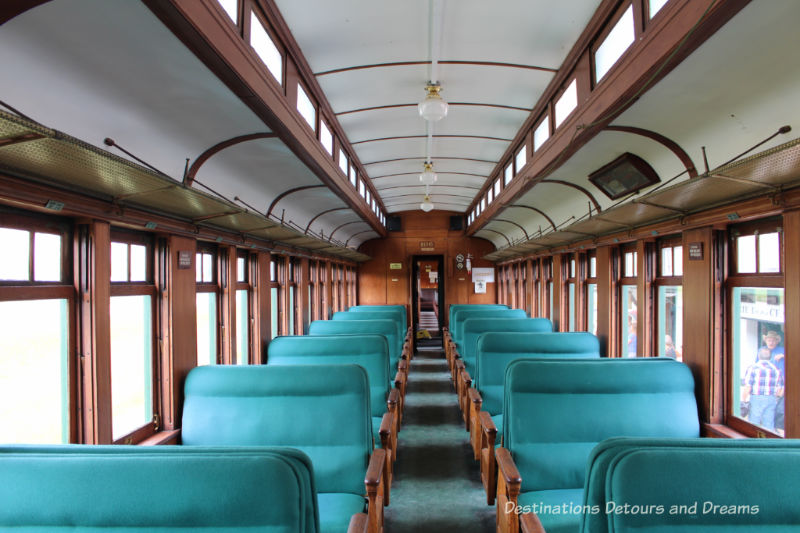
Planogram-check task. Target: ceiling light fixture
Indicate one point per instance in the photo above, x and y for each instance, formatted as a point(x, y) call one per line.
point(433, 108)
point(428, 176)
point(426, 204)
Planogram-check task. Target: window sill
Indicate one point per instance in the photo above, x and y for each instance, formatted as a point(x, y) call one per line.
point(720, 431)
point(162, 438)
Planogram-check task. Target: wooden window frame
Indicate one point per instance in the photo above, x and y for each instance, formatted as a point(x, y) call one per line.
point(143, 288)
point(759, 280)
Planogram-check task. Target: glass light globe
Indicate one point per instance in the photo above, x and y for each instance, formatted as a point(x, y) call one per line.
point(433, 108)
point(428, 176)
point(426, 204)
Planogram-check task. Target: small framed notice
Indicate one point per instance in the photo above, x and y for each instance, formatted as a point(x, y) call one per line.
point(395, 266)
point(184, 260)
point(695, 251)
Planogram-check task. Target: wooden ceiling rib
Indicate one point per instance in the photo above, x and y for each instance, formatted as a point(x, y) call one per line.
point(441, 62)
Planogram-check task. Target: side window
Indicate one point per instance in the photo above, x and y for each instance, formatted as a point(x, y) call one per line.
point(756, 352)
point(669, 313)
point(207, 302)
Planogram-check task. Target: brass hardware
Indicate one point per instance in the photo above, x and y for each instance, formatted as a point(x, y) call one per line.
point(156, 422)
point(761, 435)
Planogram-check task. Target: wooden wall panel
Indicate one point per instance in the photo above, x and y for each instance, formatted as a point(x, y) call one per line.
point(791, 240)
point(698, 323)
point(606, 285)
point(183, 334)
point(378, 284)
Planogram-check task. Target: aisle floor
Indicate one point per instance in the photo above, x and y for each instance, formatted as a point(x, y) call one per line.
point(437, 484)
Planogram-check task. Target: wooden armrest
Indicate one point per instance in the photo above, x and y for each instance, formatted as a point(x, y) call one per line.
point(508, 469)
point(487, 425)
point(399, 380)
point(394, 398)
point(460, 364)
point(385, 429)
point(374, 475)
point(358, 523)
point(375, 484)
point(475, 398)
point(402, 365)
point(465, 377)
point(529, 523)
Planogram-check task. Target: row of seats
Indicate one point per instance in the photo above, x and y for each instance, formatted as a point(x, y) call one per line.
point(285, 447)
point(596, 444)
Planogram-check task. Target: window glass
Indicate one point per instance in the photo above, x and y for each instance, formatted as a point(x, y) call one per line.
point(593, 267)
point(508, 174)
point(291, 310)
point(46, 257)
point(241, 269)
point(325, 137)
point(629, 319)
point(566, 103)
point(769, 258)
point(630, 264)
point(666, 261)
point(616, 42)
point(677, 261)
point(306, 107)
point(490, 195)
point(655, 6)
point(33, 371)
point(746, 254)
point(131, 363)
point(591, 308)
point(521, 158)
point(571, 290)
point(758, 356)
point(206, 328)
point(242, 329)
point(496, 187)
point(265, 48)
point(273, 297)
point(670, 321)
point(344, 163)
point(541, 133)
point(16, 251)
point(138, 262)
point(119, 261)
point(231, 7)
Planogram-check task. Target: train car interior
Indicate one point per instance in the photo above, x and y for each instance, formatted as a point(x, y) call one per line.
point(432, 265)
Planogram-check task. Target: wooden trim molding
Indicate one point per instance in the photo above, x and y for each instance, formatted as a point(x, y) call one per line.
point(206, 155)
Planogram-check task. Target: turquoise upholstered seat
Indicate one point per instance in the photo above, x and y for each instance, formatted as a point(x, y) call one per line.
point(458, 307)
point(368, 351)
point(401, 309)
point(261, 406)
point(175, 489)
point(475, 327)
point(556, 411)
point(660, 475)
point(374, 315)
point(494, 351)
point(460, 316)
point(385, 327)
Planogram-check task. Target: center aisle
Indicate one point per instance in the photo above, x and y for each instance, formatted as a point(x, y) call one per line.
point(437, 483)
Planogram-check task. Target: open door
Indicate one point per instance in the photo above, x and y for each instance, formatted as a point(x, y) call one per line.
point(427, 296)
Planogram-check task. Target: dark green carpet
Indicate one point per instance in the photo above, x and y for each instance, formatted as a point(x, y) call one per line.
point(437, 483)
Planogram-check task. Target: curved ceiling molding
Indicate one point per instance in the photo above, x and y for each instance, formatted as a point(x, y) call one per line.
point(666, 141)
point(347, 242)
point(481, 137)
point(499, 233)
point(514, 223)
point(438, 172)
point(422, 158)
point(340, 226)
point(284, 194)
point(441, 62)
point(550, 220)
point(206, 155)
point(308, 226)
point(415, 104)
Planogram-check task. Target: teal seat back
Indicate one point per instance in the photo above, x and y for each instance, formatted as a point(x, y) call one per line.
point(681, 480)
point(464, 314)
point(323, 410)
point(458, 307)
point(400, 309)
point(81, 488)
point(556, 410)
point(385, 327)
point(374, 315)
point(371, 352)
point(475, 327)
point(495, 350)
